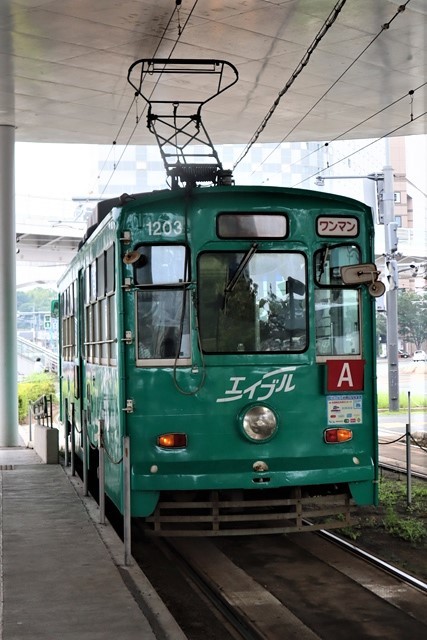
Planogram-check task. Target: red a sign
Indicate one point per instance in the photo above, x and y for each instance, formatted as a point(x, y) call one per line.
point(345, 375)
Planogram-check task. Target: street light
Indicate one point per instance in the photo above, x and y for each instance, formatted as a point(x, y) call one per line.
point(378, 178)
point(385, 201)
point(320, 180)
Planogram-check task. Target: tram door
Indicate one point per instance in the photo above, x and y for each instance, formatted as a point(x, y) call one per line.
point(71, 368)
point(77, 400)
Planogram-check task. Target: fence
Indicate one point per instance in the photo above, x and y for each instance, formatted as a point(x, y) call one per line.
point(30, 351)
point(41, 410)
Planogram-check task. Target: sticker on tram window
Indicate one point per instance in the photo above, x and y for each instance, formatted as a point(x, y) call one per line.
point(252, 225)
point(337, 226)
point(164, 228)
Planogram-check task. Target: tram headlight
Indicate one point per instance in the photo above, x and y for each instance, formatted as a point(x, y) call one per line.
point(259, 423)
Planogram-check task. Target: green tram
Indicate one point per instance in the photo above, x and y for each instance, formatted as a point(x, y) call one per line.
point(222, 337)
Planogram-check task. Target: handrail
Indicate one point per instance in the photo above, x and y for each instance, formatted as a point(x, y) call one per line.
point(42, 411)
point(30, 350)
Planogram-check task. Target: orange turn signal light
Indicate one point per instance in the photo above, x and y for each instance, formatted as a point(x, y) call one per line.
point(172, 440)
point(337, 435)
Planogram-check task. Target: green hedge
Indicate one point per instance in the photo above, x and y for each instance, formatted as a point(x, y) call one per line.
point(417, 401)
point(32, 388)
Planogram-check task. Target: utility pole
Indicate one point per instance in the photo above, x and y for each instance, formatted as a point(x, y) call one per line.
point(390, 230)
point(385, 197)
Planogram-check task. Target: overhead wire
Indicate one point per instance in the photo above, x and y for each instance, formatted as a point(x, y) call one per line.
point(134, 100)
point(113, 147)
point(180, 31)
point(356, 126)
point(128, 112)
point(386, 135)
point(300, 67)
point(417, 188)
point(303, 63)
point(384, 27)
point(326, 144)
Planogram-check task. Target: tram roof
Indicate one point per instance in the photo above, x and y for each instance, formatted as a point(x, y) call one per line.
point(64, 65)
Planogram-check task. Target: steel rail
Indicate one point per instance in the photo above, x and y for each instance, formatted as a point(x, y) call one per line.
point(396, 469)
point(238, 623)
point(374, 560)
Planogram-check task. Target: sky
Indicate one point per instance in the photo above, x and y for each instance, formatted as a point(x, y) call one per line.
point(55, 169)
point(48, 176)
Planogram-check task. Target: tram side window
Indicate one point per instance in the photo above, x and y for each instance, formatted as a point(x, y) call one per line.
point(337, 308)
point(68, 307)
point(162, 305)
point(100, 317)
point(110, 305)
point(252, 301)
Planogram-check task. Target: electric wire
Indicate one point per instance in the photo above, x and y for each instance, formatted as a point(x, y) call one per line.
point(300, 67)
point(328, 23)
point(384, 27)
point(377, 113)
point(386, 135)
point(116, 164)
point(127, 114)
point(138, 119)
point(415, 187)
point(356, 126)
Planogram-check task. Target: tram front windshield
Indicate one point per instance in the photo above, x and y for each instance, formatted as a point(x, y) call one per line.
point(252, 301)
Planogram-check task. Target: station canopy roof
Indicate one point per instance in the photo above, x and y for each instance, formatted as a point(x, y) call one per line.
point(309, 70)
point(346, 69)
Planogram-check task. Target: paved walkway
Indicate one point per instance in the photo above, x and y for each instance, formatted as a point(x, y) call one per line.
point(61, 573)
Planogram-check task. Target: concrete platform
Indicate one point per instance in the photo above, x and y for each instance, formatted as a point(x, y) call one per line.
point(61, 573)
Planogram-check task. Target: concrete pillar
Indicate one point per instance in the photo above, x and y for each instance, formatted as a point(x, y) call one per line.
point(9, 435)
point(8, 347)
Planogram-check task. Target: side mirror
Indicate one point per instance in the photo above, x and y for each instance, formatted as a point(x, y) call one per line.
point(54, 308)
point(364, 274)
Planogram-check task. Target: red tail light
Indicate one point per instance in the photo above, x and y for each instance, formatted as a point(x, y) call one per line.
point(172, 440)
point(332, 436)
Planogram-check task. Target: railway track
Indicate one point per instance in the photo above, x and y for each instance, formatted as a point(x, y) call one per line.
point(375, 561)
point(393, 457)
point(396, 468)
point(301, 586)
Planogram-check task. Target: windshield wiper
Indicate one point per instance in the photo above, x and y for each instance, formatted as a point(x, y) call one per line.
point(324, 258)
point(242, 264)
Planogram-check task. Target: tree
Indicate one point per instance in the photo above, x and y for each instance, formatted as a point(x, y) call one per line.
point(30, 307)
point(381, 327)
point(412, 317)
point(37, 299)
